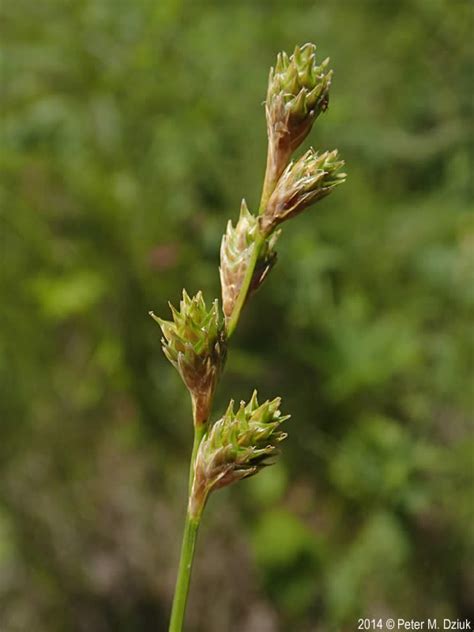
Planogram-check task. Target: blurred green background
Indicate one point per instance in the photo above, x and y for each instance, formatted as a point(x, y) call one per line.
point(130, 132)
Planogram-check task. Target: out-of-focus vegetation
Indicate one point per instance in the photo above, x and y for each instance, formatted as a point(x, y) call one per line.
point(130, 132)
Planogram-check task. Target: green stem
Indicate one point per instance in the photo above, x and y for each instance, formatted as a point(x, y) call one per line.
point(278, 158)
point(268, 186)
point(199, 432)
point(239, 303)
point(184, 573)
point(191, 527)
point(272, 173)
point(269, 181)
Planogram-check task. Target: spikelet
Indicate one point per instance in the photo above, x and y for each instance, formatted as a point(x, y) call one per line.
point(237, 248)
point(303, 183)
point(195, 345)
point(298, 91)
point(237, 446)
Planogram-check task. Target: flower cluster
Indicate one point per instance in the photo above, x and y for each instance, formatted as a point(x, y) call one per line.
point(237, 248)
point(304, 182)
point(194, 343)
point(237, 446)
point(298, 91)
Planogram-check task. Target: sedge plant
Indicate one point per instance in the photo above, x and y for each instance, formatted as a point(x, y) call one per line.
point(247, 437)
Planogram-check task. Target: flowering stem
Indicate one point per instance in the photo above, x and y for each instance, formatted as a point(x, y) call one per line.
point(199, 433)
point(277, 160)
point(191, 527)
point(195, 342)
point(269, 181)
point(268, 186)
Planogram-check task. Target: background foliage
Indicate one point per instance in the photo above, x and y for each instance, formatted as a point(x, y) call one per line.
point(130, 132)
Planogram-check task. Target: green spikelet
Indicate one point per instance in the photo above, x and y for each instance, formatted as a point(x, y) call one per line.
point(304, 182)
point(298, 91)
point(237, 446)
point(194, 343)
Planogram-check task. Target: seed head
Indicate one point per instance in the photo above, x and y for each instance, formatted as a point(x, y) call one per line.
point(194, 343)
point(298, 91)
point(237, 446)
point(303, 182)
